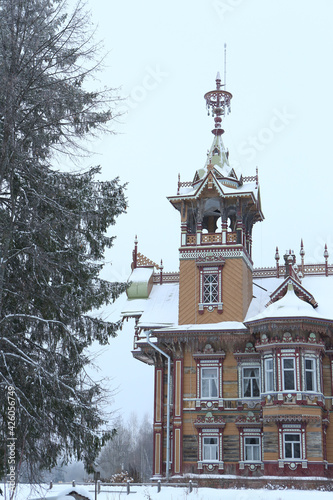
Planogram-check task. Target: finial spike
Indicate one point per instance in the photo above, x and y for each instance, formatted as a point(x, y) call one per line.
point(225, 66)
point(161, 272)
point(135, 254)
point(326, 256)
point(302, 252)
point(277, 258)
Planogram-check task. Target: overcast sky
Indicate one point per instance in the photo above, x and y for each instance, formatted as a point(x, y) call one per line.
point(165, 56)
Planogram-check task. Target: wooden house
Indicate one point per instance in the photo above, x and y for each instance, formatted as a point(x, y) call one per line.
point(243, 357)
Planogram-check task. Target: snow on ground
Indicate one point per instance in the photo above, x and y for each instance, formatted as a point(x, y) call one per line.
point(25, 492)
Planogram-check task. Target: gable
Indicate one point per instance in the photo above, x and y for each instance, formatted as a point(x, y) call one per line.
point(299, 290)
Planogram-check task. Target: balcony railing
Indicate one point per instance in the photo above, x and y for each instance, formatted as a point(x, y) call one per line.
point(211, 238)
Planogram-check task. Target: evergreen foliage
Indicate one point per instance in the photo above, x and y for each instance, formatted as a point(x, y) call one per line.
point(52, 233)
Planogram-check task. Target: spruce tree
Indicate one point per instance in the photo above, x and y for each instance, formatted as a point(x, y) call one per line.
point(53, 227)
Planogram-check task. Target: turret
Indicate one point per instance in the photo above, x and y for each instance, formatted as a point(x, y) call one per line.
point(217, 211)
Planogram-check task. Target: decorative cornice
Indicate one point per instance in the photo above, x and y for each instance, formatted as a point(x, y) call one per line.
point(209, 420)
point(200, 335)
point(210, 261)
point(291, 323)
point(291, 419)
point(209, 355)
point(311, 342)
point(214, 255)
point(248, 421)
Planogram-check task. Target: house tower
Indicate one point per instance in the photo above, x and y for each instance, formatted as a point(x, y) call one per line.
point(217, 211)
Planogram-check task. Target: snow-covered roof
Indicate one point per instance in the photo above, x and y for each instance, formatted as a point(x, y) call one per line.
point(223, 174)
point(218, 157)
point(288, 306)
point(60, 492)
point(141, 274)
point(158, 310)
point(246, 188)
point(321, 287)
point(232, 326)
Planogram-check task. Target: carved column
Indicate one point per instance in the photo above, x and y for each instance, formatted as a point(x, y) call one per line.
point(178, 414)
point(158, 420)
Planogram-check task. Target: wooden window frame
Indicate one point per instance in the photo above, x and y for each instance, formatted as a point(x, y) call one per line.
point(210, 269)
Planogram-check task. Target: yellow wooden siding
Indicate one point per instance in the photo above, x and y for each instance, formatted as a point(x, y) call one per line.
point(230, 386)
point(236, 293)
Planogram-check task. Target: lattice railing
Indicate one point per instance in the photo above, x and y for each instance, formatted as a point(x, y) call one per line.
point(191, 239)
point(308, 269)
point(211, 238)
point(250, 178)
point(183, 185)
point(231, 237)
point(166, 277)
point(267, 272)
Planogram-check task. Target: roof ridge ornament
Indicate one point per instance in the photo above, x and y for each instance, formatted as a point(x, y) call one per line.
point(326, 256)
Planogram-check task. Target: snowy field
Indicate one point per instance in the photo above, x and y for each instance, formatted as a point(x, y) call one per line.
point(25, 492)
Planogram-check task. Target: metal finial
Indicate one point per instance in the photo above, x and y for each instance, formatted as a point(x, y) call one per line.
point(326, 254)
point(218, 102)
point(225, 66)
point(302, 251)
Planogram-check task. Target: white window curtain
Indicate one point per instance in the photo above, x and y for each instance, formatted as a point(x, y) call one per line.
point(209, 382)
point(251, 385)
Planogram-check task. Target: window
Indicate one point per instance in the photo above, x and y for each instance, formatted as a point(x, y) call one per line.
point(210, 289)
point(269, 376)
point(252, 449)
point(251, 382)
point(250, 441)
point(209, 379)
point(288, 368)
point(310, 374)
point(292, 445)
point(210, 448)
point(210, 441)
point(209, 382)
